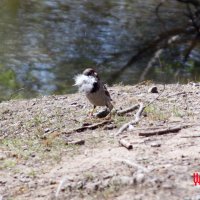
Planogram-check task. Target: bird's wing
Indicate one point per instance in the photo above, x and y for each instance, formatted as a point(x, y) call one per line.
point(95, 87)
point(106, 91)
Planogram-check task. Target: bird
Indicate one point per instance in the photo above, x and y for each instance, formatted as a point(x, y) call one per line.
point(95, 90)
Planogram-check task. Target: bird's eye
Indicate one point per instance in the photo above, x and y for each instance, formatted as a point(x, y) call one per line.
point(91, 73)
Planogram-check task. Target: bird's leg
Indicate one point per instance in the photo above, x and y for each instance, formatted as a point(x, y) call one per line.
point(108, 117)
point(110, 107)
point(92, 111)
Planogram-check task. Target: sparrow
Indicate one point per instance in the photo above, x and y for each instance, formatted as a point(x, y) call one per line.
point(96, 92)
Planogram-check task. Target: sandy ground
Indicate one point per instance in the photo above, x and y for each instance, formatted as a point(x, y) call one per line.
point(38, 159)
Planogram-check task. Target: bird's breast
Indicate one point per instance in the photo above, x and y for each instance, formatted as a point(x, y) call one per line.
point(97, 98)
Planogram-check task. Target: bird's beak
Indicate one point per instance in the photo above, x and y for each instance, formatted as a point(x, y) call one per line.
point(96, 75)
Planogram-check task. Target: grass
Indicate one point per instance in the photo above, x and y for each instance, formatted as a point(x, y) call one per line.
point(34, 148)
point(120, 120)
point(154, 113)
point(28, 143)
point(94, 141)
point(36, 121)
point(89, 176)
point(22, 148)
point(32, 173)
point(176, 112)
point(8, 164)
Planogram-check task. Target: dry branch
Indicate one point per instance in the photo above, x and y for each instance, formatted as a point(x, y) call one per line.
point(191, 136)
point(125, 143)
point(88, 127)
point(193, 43)
point(150, 64)
point(104, 113)
point(64, 179)
point(176, 94)
point(138, 115)
point(127, 110)
point(152, 46)
point(162, 131)
point(133, 122)
point(76, 142)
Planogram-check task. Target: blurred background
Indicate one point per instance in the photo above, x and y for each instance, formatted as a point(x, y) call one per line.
point(44, 44)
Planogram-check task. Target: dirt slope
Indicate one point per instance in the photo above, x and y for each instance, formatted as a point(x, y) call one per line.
point(37, 160)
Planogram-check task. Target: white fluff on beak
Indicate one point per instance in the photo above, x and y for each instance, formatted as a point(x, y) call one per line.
point(84, 83)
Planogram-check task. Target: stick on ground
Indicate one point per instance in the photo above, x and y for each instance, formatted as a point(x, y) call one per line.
point(90, 127)
point(64, 179)
point(191, 136)
point(138, 115)
point(76, 142)
point(133, 122)
point(161, 131)
point(125, 143)
point(127, 110)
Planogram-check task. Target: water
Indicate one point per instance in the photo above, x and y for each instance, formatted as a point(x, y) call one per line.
point(45, 43)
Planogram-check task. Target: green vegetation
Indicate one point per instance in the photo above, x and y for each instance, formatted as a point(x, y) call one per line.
point(33, 148)
point(8, 83)
point(154, 113)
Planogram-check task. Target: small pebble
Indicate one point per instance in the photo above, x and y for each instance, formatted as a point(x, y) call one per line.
point(2, 156)
point(131, 127)
point(167, 186)
point(46, 130)
point(153, 89)
point(139, 178)
point(76, 142)
point(155, 144)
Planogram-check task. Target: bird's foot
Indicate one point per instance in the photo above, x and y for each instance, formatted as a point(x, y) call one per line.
point(108, 117)
point(90, 114)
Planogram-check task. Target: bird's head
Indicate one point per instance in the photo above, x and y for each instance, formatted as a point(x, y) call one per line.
point(90, 72)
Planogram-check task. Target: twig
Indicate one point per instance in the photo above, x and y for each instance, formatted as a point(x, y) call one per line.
point(127, 110)
point(184, 125)
point(179, 93)
point(193, 44)
point(89, 127)
point(138, 115)
point(144, 129)
point(133, 122)
point(152, 46)
point(76, 142)
point(158, 15)
point(156, 97)
point(162, 131)
point(176, 94)
point(60, 186)
point(125, 143)
point(191, 136)
point(151, 64)
point(104, 113)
